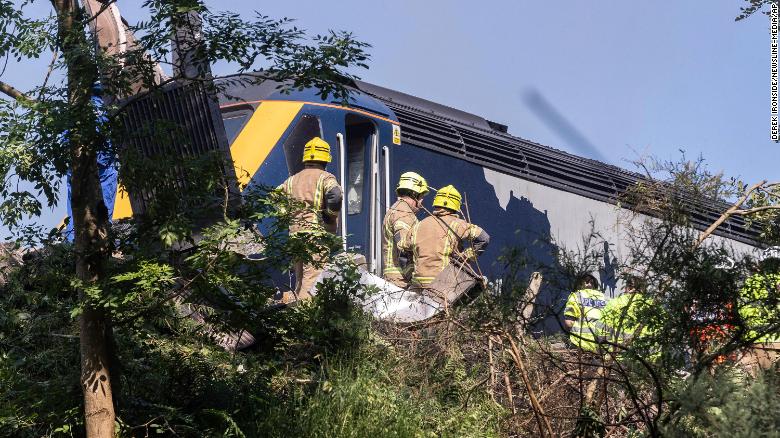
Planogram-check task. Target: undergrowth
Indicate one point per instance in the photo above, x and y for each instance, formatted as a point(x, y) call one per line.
point(322, 369)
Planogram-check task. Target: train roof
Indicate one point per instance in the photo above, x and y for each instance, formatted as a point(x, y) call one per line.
point(473, 138)
point(242, 88)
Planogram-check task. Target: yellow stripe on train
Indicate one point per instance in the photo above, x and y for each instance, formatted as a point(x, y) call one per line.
point(260, 135)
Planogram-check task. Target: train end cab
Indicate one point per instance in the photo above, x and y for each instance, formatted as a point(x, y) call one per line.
point(267, 138)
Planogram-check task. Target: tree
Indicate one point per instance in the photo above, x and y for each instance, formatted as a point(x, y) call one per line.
point(667, 362)
point(759, 203)
point(673, 188)
point(752, 7)
point(56, 129)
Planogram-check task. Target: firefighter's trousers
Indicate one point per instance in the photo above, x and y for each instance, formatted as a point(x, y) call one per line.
point(306, 275)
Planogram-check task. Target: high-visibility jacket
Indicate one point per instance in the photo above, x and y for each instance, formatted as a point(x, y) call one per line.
point(584, 307)
point(620, 316)
point(396, 238)
point(321, 193)
point(756, 308)
point(440, 237)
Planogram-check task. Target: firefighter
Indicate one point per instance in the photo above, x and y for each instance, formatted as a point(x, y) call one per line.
point(322, 196)
point(582, 316)
point(439, 238)
point(759, 307)
point(398, 223)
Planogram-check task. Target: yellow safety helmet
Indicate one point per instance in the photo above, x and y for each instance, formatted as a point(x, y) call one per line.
point(317, 149)
point(447, 197)
point(413, 182)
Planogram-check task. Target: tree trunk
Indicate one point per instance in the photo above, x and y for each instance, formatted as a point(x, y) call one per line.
point(90, 219)
point(90, 224)
point(95, 379)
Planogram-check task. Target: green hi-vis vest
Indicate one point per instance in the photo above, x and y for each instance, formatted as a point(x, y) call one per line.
point(585, 307)
point(622, 319)
point(620, 316)
point(756, 308)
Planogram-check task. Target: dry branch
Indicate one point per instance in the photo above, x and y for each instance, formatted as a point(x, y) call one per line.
point(530, 297)
point(541, 417)
point(736, 209)
point(13, 92)
point(492, 369)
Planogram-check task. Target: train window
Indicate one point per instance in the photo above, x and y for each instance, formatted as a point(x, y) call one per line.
point(233, 122)
point(356, 164)
point(307, 127)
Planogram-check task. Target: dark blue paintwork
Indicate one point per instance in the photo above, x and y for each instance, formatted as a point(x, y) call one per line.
point(520, 233)
point(357, 100)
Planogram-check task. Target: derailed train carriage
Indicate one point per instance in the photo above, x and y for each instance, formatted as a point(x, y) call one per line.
point(527, 196)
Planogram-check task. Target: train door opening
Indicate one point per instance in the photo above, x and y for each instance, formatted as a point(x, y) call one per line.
point(360, 181)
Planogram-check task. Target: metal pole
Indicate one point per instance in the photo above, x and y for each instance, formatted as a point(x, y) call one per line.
point(343, 181)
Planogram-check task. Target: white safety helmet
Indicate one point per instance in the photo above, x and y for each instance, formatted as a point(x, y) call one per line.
point(773, 252)
point(726, 264)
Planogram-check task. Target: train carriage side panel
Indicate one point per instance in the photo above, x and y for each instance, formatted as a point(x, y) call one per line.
point(520, 213)
point(533, 222)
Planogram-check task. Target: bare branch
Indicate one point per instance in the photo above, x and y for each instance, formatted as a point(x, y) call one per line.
point(54, 55)
point(767, 190)
point(728, 213)
point(541, 416)
point(103, 8)
point(13, 92)
point(756, 210)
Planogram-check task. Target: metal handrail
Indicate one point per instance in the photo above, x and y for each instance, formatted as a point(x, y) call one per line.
point(343, 179)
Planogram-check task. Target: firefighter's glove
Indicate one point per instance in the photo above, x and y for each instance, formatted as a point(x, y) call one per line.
point(404, 259)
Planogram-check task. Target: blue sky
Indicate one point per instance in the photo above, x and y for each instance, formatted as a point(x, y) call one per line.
point(631, 77)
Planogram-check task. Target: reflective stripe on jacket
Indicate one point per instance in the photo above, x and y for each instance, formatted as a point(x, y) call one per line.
point(756, 308)
point(397, 227)
point(585, 307)
point(438, 238)
point(310, 185)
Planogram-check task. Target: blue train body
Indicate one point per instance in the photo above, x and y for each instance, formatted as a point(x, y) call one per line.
point(532, 199)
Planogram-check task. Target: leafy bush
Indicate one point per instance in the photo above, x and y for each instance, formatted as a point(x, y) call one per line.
point(726, 404)
point(326, 371)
